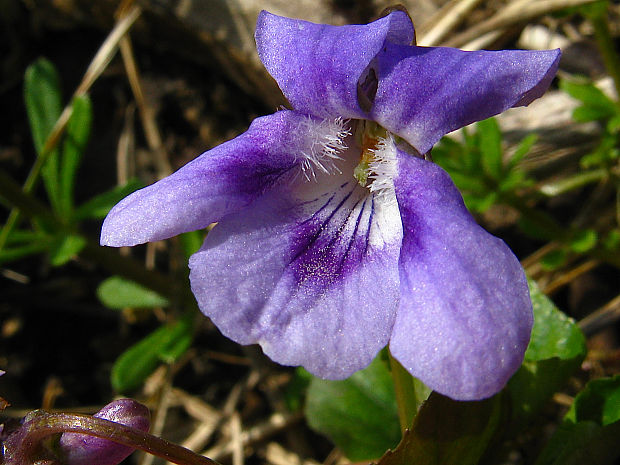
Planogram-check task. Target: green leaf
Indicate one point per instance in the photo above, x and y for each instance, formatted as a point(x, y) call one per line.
point(99, 206)
point(522, 149)
point(554, 260)
point(599, 402)
point(295, 392)
point(554, 334)
point(490, 139)
point(596, 105)
point(66, 247)
point(448, 432)
point(43, 99)
point(591, 428)
point(358, 414)
point(76, 137)
point(11, 254)
point(119, 293)
point(191, 241)
point(166, 344)
point(584, 240)
point(556, 349)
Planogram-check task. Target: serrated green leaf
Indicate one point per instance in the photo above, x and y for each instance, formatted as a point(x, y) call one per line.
point(554, 334)
point(99, 206)
point(166, 343)
point(556, 349)
point(76, 138)
point(119, 293)
point(448, 432)
point(490, 147)
point(43, 99)
point(358, 414)
point(65, 247)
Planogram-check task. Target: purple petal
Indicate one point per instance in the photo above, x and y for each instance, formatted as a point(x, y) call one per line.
point(424, 93)
point(317, 66)
point(312, 276)
point(82, 449)
point(220, 181)
point(465, 314)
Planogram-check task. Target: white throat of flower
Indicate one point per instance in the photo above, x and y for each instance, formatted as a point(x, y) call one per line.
point(326, 144)
point(377, 166)
point(373, 163)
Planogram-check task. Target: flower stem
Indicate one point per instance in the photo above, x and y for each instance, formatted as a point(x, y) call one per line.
point(42, 424)
point(410, 393)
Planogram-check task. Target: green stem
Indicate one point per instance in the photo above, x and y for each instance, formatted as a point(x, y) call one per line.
point(408, 394)
point(42, 424)
point(607, 47)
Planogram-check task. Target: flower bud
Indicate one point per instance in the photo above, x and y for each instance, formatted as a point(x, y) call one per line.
point(82, 449)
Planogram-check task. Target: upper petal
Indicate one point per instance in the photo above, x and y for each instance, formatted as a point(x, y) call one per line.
point(465, 314)
point(426, 92)
point(221, 180)
point(318, 66)
point(312, 277)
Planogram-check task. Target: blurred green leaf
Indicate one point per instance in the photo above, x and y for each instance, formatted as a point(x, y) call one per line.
point(599, 402)
point(596, 105)
point(584, 240)
point(167, 343)
point(191, 242)
point(13, 253)
point(295, 392)
point(556, 349)
point(491, 147)
point(522, 149)
point(612, 240)
point(358, 414)
point(448, 432)
point(553, 260)
point(119, 293)
point(590, 430)
point(43, 99)
point(65, 247)
point(99, 206)
point(76, 138)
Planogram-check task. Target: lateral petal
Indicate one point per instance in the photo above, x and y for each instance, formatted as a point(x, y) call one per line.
point(318, 66)
point(220, 181)
point(313, 279)
point(427, 92)
point(465, 315)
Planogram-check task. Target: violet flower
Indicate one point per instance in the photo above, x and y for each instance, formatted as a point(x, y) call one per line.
point(335, 236)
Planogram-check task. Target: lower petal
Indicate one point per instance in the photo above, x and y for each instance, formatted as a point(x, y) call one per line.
point(314, 281)
point(465, 314)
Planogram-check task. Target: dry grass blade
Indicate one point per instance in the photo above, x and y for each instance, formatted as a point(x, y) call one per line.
point(606, 315)
point(98, 64)
point(514, 13)
point(445, 20)
point(147, 115)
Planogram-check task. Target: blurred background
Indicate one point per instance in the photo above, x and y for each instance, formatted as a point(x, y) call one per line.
point(147, 86)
